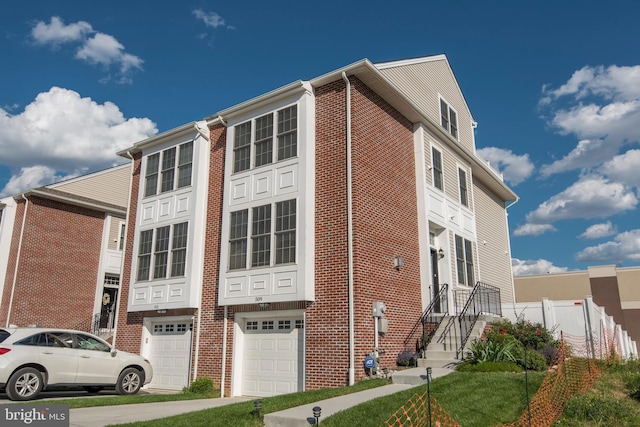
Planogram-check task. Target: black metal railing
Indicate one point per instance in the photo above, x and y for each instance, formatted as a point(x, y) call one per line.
point(98, 324)
point(483, 299)
point(429, 321)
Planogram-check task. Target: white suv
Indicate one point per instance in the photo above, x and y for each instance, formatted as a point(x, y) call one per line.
point(32, 359)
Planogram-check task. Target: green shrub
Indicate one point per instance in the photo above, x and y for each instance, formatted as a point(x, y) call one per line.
point(532, 335)
point(492, 351)
point(469, 366)
point(202, 385)
point(535, 361)
point(407, 358)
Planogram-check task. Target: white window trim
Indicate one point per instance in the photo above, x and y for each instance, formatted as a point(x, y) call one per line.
point(433, 168)
point(170, 250)
point(466, 174)
point(176, 166)
point(441, 99)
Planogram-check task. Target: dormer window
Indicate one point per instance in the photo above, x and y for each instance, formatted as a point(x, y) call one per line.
point(448, 119)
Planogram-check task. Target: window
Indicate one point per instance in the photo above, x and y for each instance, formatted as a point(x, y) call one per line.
point(165, 241)
point(464, 261)
point(287, 132)
point(436, 161)
point(263, 150)
point(267, 324)
point(286, 232)
point(161, 253)
point(238, 240)
point(264, 140)
point(284, 324)
point(168, 170)
point(111, 279)
point(185, 164)
point(123, 230)
point(462, 177)
point(252, 325)
point(263, 236)
point(448, 119)
point(151, 176)
point(162, 167)
point(179, 250)
point(242, 147)
point(87, 342)
point(144, 254)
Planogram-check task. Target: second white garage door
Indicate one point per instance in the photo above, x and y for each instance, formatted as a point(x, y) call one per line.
point(273, 357)
point(169, 354)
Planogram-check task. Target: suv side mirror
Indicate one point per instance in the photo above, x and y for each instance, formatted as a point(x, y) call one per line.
point(114, 352)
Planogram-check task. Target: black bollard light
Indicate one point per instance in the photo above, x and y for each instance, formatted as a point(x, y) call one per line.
point(316, 413)
point(258, 405)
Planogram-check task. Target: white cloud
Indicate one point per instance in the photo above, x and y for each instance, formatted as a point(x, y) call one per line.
point(590, 197)
point(625, 246)
point(533, 229)
point(514, 168)
point(601, 108)
point(106, 50)
point(597, 231)
point(56, 32)
point(539, 266)
point(210, 19)
point(624, 168)
point(32, 177)
point(65, 132)
point(95, 47)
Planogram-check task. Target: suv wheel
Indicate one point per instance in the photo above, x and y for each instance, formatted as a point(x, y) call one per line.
point(129, 381)
point(24, 384)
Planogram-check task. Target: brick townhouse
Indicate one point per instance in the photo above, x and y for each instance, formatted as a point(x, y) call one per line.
point(260, 237)
point(61, 252)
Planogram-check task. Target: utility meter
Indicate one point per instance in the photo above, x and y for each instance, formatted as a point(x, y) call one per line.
point(378, 309)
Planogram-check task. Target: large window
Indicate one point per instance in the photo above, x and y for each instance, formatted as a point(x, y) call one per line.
point(436, 161)
point(448, 119)
point(265, 234)
point(462, 177)
point(238, 240)
point(161, 169)
point(162, 251)
point(262, 139)
point(464, 261)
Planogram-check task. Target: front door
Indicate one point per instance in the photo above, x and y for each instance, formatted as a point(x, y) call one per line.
point(435, 281)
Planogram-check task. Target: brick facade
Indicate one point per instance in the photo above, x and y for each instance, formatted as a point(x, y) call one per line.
point(58, 265)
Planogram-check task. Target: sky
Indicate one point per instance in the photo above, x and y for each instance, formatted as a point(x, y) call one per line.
point(553, 85)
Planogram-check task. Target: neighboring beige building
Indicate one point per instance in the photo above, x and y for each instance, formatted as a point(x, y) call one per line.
point(615, 289)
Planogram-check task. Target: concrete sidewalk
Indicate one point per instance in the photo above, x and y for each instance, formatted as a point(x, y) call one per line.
point(101, 416)
point(302, 416)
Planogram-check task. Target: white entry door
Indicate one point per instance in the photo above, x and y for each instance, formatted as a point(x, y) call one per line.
point(273, 357)
point(170, 354)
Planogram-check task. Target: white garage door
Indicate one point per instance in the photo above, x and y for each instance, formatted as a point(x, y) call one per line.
point(169, 354)
point(273, 357)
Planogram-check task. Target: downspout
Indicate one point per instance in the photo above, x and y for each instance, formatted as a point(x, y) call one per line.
point(224, 352)
point(350, 234)
point(506, 218)
point(15, 270)
point(124, 251)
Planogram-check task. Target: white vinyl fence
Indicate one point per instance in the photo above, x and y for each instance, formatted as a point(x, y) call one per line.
point(582, 318)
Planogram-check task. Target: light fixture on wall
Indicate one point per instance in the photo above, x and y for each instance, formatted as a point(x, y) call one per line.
point(440, 253)
point(161, 311)
point(397, 262)
point(264, 305)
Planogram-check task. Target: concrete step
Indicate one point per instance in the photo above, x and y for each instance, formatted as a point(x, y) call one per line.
point(417, 376)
